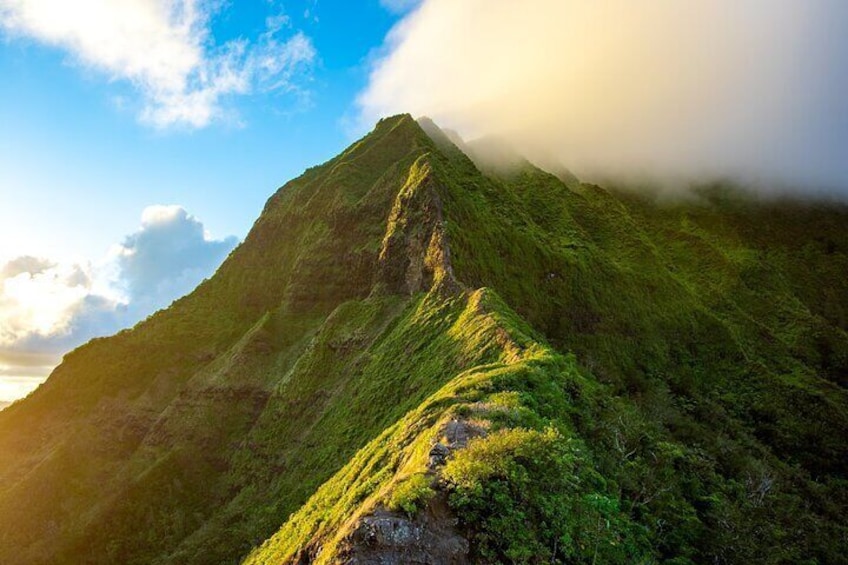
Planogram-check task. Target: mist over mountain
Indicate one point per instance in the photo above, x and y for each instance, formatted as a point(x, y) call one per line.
point(645, 91)
point(415, 359)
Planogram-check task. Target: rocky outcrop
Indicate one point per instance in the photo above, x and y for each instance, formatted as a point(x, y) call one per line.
point(429, 537)
point(392, 538)
point(415, 254)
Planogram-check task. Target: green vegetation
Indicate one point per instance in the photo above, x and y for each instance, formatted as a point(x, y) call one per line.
point(412, 494)
point(609, 377)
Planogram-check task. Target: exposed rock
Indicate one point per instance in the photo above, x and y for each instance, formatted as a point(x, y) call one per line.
point(453, 435)
point(390, 538)
point(415, 253)
point(457, 433)
point(438, 455)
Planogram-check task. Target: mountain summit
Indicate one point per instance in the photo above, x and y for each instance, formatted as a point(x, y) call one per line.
point(409, 360)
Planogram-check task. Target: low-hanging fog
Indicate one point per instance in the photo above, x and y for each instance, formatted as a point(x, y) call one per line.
point(755, 90)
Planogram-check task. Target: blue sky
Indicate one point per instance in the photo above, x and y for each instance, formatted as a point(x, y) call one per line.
point(74, 156)
point(139, 139)
point(81, 159)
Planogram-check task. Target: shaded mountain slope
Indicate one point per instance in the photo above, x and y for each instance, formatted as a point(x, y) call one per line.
point(609, 379)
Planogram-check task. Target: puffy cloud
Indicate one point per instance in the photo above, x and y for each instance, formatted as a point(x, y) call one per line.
point(750, 88)
point(167, 257)
point(164, 48)
point(25, 264)
point(39, 298)
point(48, 308)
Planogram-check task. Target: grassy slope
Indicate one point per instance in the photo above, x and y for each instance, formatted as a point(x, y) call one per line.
point(504, 362)
point(712, 334)
point(699, 416)
point(720, 324)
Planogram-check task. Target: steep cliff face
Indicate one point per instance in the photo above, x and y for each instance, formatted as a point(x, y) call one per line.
point(410, 361)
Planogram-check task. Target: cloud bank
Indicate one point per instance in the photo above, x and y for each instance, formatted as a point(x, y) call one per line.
point(166, 50)
point(48, 308)
point(740, 88)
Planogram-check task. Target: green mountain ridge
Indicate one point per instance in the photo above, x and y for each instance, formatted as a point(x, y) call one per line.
point(411, 361)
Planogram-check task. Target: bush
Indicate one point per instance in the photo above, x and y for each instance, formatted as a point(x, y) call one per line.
point(524, 498)
point(411, 494)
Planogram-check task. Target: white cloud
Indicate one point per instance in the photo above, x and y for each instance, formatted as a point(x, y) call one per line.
point(165, 49)
point(40, 298)
point(753, 88)
point(49, 307)
point(166, 258)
